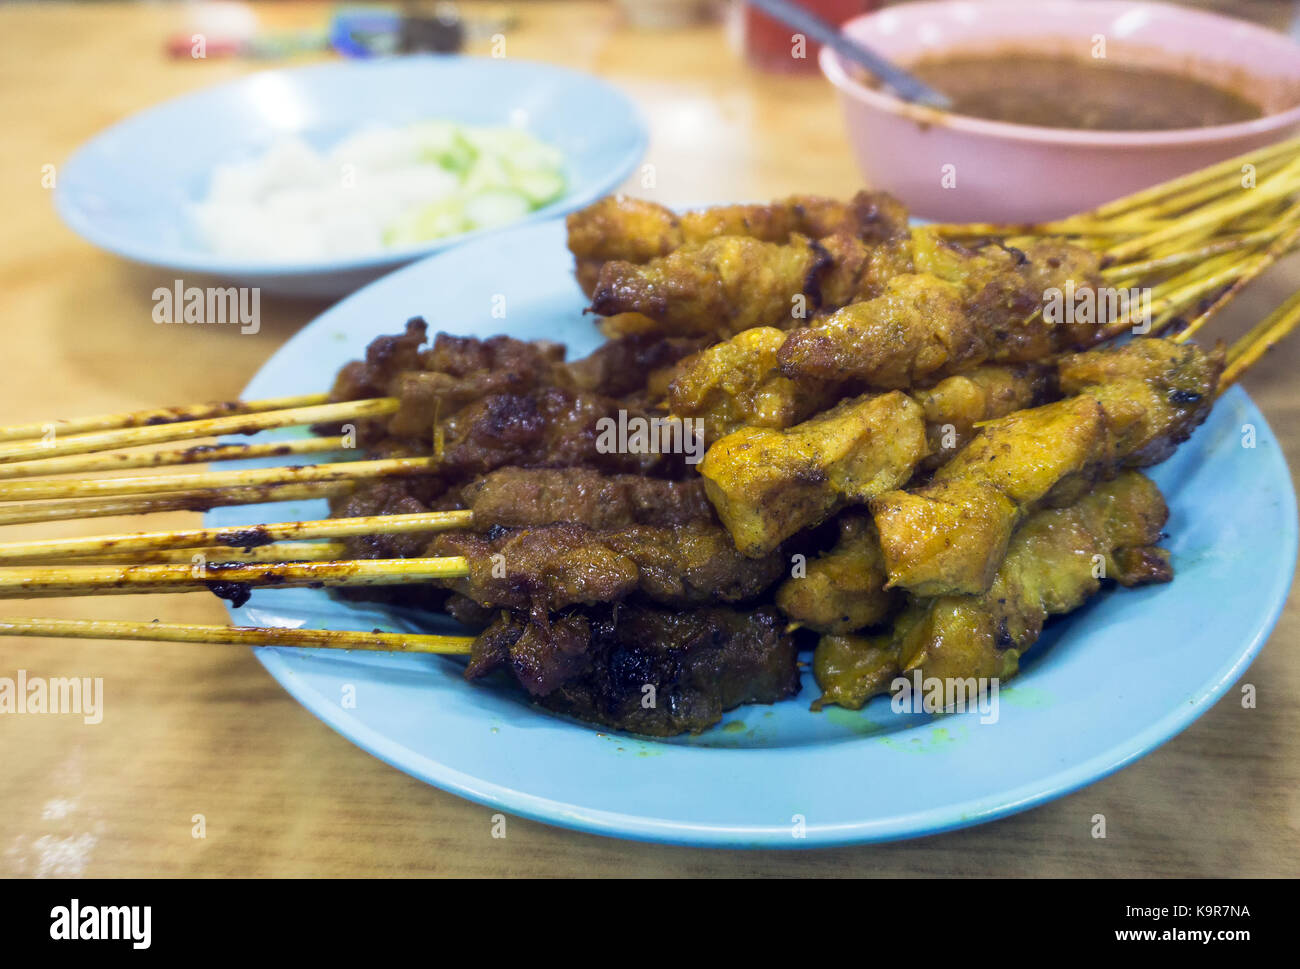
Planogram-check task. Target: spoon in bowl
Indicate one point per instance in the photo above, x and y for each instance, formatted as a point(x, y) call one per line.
point(904, 84)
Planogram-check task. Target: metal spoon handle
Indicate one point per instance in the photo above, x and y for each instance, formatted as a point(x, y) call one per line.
point(908, 87)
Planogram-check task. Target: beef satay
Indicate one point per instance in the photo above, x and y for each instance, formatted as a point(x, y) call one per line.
point(517, 497)
point(601, 665)
point(950, 535)
point(1055, 562)
point(547, 568)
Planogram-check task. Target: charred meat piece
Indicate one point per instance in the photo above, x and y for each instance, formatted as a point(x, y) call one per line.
point(623, 367)
point(386, 358)
point(457, 371)
point(550, 427)
point(515, 497)
point(664, 673)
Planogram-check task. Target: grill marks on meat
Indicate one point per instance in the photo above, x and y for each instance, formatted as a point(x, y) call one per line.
point(645, 670)
point(457, 371)
point(544, 569)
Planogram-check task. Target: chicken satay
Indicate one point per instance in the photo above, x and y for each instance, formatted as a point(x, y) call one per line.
point(917, 328)
point(843, 589)
point(547, 568)
point(735, 384)
point(636, 231)
point(950, 311)
point(768, 484)
point(955, 405)
point(618, 227)
point(716, 288)
point(1055, 562)
point(951, 535)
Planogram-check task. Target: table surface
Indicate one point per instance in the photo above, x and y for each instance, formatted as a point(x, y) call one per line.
point(194, 732)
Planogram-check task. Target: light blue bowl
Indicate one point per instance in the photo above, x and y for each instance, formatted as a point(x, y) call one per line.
point(1105, 685)
point(128, 190)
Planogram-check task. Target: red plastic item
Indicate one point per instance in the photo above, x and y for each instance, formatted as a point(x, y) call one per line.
point(773, 46)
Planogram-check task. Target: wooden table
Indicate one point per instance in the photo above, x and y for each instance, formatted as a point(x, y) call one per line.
point(192, 731)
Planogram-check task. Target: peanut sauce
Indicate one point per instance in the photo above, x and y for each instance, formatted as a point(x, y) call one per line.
point(1080, 93)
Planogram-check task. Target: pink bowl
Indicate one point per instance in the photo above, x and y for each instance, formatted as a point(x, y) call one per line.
point(1013, 173)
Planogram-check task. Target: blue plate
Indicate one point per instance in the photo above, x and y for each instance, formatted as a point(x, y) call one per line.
point(1105, 686)
point(128, 189)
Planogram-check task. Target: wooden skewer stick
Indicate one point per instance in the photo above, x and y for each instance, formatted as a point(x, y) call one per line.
point(209, 427)
point(94, 580)
point(169, 457)
point(1275, 186)
point(204, 480)
point(1165, 190)
point(160, 415)
point(279, 552)
point(1266, 259)
point(27, 512)
point(1147, 267)
point(251, 537)
point(169, 632)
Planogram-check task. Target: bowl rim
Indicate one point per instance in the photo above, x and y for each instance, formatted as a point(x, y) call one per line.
point(832, 68)
point(202, 261)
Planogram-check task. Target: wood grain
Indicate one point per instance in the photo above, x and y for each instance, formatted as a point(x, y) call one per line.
point(200, 732)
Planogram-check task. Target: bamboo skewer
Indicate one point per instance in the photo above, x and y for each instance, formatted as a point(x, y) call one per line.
point(83, 580)
point(156, 416)
point(208, 427)
point(27, 512)
point(216, 554)
point(170, 457)
point(252, 537)
point(104, 629)
point(205, 480)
